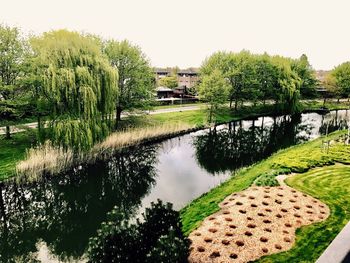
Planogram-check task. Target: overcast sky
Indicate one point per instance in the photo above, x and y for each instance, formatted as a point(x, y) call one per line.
point(184, 32)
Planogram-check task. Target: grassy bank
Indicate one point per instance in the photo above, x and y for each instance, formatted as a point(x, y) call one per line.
point(299, 158)
point(12, 151)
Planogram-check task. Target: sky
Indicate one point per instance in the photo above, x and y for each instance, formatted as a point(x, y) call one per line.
point(184, 32)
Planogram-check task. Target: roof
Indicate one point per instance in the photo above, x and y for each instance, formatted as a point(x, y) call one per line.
point(161, 70)
point(188, 71)
point(163, 89)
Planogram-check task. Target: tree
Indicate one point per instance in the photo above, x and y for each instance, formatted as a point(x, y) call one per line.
point(169, 81)
point(341, 77)
point(79, 85)
point(12, 54)
point(136, 79)
point(214, 90)
point(307, 76)
point(287, 86)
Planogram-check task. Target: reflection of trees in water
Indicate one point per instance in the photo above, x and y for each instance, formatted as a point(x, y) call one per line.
point(65, 211)
point(333, 122)
point(238, 146)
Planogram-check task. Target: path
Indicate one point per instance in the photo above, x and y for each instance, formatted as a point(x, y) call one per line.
point(33, 125)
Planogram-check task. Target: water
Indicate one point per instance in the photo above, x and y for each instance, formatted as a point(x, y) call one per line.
point(52, 221)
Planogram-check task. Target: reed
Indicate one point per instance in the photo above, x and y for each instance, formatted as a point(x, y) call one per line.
point(50, 159)
point(136, 136)
point(44, 159)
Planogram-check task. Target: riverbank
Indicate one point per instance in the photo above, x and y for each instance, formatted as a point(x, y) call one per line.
point(15, 149)
point(298, 159)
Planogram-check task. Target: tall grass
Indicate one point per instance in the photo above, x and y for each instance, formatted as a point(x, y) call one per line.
point(44, 159)
point(50, 159)
point(134, 136)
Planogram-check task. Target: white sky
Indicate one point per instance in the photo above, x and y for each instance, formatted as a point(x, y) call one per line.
point(183, 33)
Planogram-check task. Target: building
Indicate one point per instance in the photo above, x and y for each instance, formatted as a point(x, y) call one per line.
point(164, 93)
point(186, 77)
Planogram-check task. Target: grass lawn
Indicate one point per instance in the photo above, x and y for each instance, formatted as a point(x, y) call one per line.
point(299, 158)
point(330, 104)
point(330, 184)
point(199, 104)
point(11, 151)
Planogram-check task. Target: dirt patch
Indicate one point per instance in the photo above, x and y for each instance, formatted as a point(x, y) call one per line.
point(254, 223)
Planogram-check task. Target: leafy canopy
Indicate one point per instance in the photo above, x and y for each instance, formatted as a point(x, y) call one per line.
point(79, 84)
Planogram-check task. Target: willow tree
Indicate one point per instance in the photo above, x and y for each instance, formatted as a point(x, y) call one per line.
point(136, 78)
point(287, 85)
point(79, 84)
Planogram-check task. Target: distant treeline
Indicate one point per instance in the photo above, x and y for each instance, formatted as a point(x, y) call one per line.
point(79, 84)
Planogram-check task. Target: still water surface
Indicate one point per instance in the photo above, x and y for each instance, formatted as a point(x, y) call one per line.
point(53, 220)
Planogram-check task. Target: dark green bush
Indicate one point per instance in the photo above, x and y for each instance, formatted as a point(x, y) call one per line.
point(157, 238)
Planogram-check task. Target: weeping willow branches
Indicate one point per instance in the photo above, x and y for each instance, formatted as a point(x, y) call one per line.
point(80, 86)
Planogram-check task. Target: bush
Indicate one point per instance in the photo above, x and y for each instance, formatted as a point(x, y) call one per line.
point(157, 239)
point(267, 179)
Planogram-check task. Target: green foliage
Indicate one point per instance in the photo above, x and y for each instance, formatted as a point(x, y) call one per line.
point(213, 90)
point(307, 76)
point(169, 81)
point(13, 99)
point(78, 84)
point(136, 80)
point(257, 77)
point(266, 179)
point(340, 78)
point(118, 241)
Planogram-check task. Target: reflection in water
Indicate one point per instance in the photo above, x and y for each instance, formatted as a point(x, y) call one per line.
point(65, 211)
point(62, 213)
point(242, 143)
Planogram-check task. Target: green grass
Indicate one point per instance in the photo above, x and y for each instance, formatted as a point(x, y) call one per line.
point(297, 158)
point(330, 104)
point(330, 184)
point(13, 150)
point(266, 179)
point(159, 107)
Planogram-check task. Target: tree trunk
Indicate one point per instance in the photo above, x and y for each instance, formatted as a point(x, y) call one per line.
point(118, 116)
point(8, 132)
point(236, 104)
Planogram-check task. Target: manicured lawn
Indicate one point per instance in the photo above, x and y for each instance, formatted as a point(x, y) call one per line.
point(13, 150)
point(299, 158)
point(330, 184)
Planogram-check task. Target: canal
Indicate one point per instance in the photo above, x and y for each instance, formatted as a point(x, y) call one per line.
point(52, 221)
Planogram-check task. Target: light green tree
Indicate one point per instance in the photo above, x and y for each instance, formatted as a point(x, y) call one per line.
point(341, 76)
point(214, 90)
point(136, 83)
point(169, 81)
point(12, 54)
point(79, 84)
